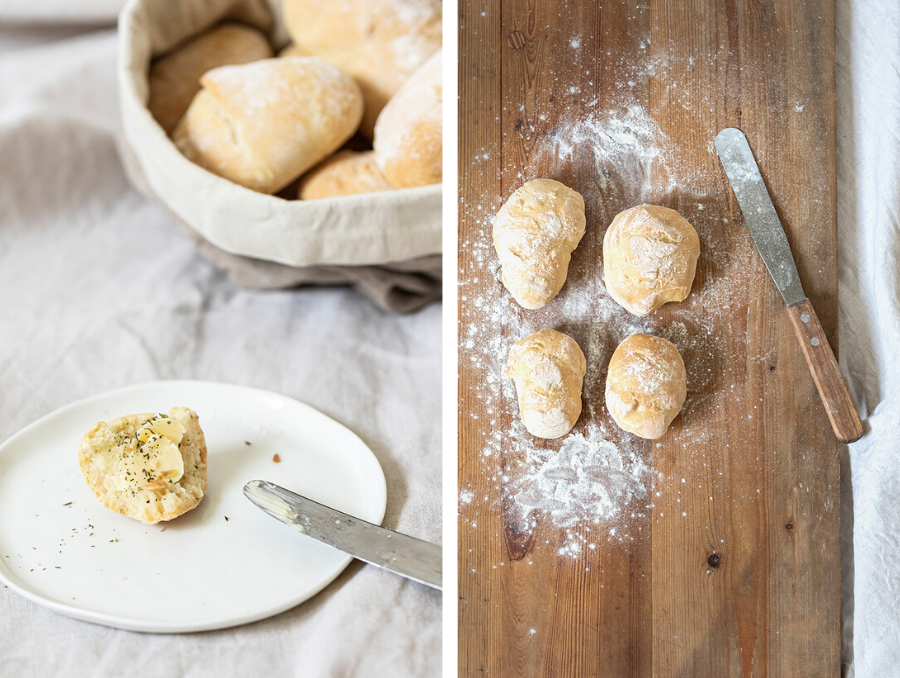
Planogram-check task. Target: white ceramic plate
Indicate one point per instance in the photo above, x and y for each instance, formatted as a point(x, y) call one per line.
point(62, 549)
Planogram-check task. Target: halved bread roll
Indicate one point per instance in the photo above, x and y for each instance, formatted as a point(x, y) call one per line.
point(149, 467)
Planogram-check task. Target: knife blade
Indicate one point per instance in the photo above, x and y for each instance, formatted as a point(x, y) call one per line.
point(412, 558)
point(768, 235)
point(759, 213)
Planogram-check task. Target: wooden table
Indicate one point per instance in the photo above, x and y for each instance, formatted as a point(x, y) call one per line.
point(735, 570)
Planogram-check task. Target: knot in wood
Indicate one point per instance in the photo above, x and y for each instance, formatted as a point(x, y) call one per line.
point(714, 560)
point(789, 526)
point(515, 39)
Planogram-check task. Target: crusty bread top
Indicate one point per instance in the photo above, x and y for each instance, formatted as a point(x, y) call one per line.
point(379, 42)
point(175, 78)
point(344, 173)
point(548, 368)
point(105, 447)
point(645, 385)
point(263, 124)
point(534, 233)
point(649, 258)
point(409, 135)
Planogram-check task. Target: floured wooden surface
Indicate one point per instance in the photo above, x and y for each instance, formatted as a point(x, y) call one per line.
point(714, 549)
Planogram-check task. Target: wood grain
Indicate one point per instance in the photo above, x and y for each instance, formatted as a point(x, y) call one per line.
point(731, 565)
point(825, 372)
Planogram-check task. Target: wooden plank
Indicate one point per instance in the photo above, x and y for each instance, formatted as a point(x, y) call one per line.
point(735, 568)
point(480, 611)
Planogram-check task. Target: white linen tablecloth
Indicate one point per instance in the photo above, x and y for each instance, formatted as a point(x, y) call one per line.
point(868, 79)
point(98, 290)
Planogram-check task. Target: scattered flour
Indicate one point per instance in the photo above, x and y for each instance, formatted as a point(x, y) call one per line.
point(589, 478)
point(620, 141)
point(591, 484)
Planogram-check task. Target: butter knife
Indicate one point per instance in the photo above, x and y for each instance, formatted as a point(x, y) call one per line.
point(771, 242)
point(407, 556)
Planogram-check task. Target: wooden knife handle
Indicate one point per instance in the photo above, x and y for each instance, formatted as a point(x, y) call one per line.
point(825, 372)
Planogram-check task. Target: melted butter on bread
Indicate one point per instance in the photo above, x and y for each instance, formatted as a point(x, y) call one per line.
point(157, 461)
point(164, 426)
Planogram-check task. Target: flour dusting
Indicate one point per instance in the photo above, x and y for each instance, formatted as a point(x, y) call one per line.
point(589, 479)
point(626, 141)
point(590, 485)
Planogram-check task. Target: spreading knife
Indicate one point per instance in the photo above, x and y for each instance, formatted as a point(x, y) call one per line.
point(407, 556)
point(771, 242)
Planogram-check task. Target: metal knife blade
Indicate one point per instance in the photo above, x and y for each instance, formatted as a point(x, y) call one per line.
point(759, 213)
point(407, 556)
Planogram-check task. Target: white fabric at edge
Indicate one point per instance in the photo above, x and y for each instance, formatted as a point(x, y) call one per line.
point(868, 74)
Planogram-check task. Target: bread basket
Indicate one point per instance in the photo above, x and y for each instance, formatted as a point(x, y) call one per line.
point(386, 244)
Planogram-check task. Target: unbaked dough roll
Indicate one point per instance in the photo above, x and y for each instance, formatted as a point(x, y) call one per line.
point(645, 385)
point(175, 78)
point(378, 42)
point(408, 135)
point(649, 258)
point(535, 233)
point(263, 124)
point(548, 368)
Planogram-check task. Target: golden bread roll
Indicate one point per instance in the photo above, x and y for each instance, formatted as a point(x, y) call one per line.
point(535, 233)
point(344, 173)
point(379, 42)
point(645, 385)
point(263, 124)
point(408, 134)
point(175, 78)
point(150, 467)
point(548, 368)
point(291, 50)
point(649, 258)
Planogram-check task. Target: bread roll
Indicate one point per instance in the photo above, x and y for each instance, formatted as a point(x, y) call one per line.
point(379, 42)
point(263, 124)
point(175, 78)
point(408, 134)
point(146, 466)
point(535, 233)
point(291, 50)
point(548, 368)
point(645, 385)
point(649, 258)
point(344, 173)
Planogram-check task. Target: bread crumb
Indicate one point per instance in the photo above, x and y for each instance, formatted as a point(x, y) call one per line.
point(276, 459)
